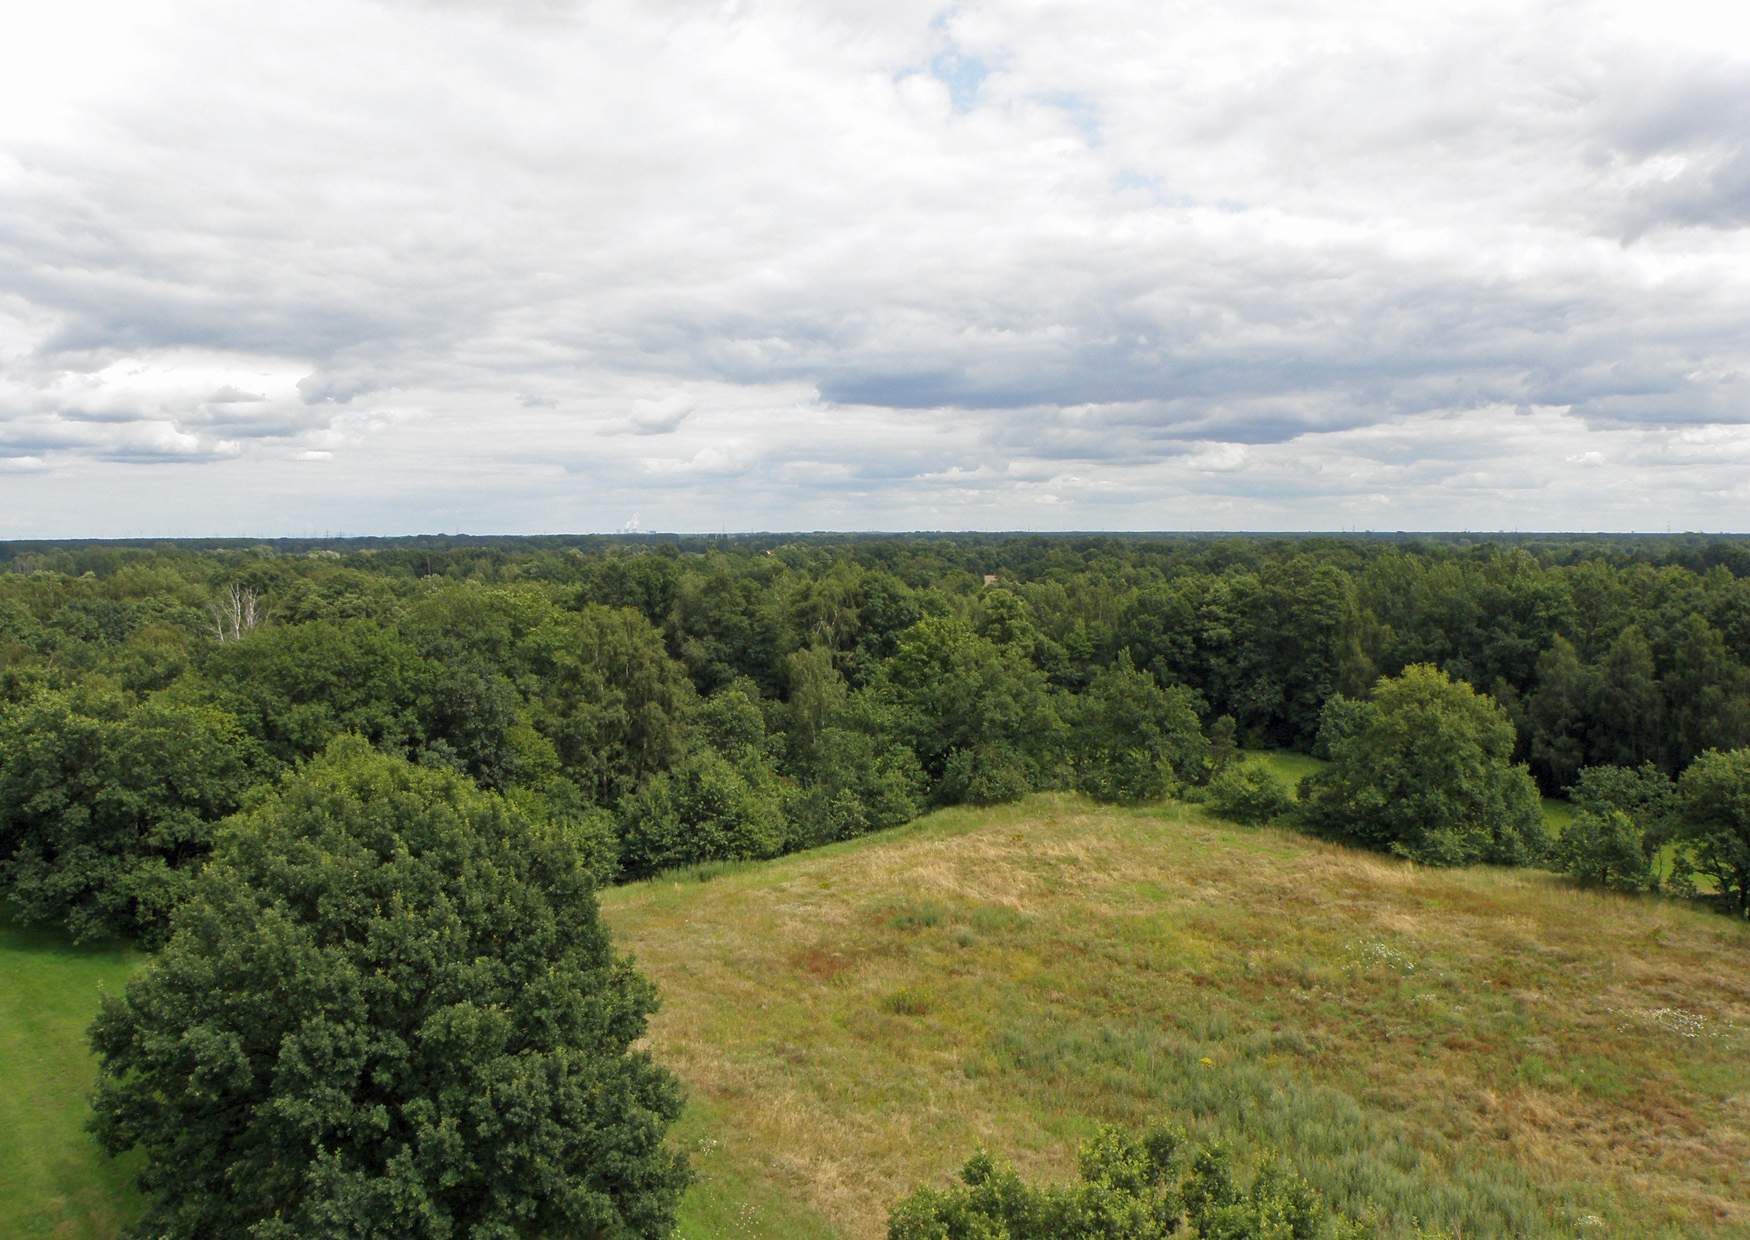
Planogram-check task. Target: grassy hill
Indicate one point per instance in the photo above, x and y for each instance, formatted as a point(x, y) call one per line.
point(1487, 1049)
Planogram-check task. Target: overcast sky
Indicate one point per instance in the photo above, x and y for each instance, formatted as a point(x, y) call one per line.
point(380, 268)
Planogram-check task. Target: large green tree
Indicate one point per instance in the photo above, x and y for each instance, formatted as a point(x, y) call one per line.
point(1557, 715)
point(1133, 740)
point(1715, 799)
point(978, 714)
point(388, 1009)
point(295, 687)
point(605, 693)
point(107, 809)
point(1429, 774)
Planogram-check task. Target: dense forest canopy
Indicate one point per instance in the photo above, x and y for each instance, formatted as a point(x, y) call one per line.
point(681, 699)
point(246, 756)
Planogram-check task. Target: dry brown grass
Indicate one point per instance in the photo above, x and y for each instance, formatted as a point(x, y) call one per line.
point(1491, 1050)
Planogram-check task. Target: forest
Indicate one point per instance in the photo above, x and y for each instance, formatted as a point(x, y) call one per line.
point(203, 741)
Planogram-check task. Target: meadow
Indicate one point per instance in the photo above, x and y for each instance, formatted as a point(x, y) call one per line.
point(1485, 1051)
point(53, 1181)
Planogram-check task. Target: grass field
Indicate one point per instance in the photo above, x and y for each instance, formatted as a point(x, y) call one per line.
point(53, 1182)
point(1487, 1050)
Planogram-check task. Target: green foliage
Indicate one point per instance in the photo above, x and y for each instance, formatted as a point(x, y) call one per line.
point(592, 830)
point(732, 723)
point(1129, 1188)
point(1557, 714)
point(471, 717)
point(1715, 824)
point(1628, 708)
point(1132, 740)
point(984, 775)
point(1224, 745)
point(1341, 719)
point(1249, 793)
point(816, 693)
point(855, 680)
point(704, 809)
point(1429, 776)
point(107, 810)
point(1643, 793)
point(977, 714)
point(604, 692)
point(388, 1008)
point(1606, 849)
point(860, 777)
point(296, 687)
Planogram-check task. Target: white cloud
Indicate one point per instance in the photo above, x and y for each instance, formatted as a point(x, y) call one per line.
point(508, 266)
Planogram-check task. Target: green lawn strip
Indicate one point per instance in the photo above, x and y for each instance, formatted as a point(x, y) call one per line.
point(1288, 765)
point(53, 1179)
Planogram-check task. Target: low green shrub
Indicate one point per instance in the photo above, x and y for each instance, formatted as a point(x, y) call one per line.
point(1248, 792)
point(1129, 1188)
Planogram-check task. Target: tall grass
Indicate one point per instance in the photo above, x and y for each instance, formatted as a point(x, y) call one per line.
point(1480, 1051)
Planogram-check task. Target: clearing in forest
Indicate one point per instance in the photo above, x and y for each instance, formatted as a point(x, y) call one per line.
point(1493, 1051)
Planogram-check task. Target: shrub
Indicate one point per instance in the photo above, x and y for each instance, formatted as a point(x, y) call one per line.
point(703, 810)
point(984, 775)
point(816, 816)
point(1248, 792)
point(1128, 1189)
point(1606, 849)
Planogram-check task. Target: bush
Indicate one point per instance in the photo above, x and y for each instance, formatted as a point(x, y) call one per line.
point(815, 816)
point(1134, 741)
point(1427, 773)
point(1248, 792)
point(388, 1008)
point(1605, 849)
point(703, 810)
point(984, 775)
point(1129, 1189)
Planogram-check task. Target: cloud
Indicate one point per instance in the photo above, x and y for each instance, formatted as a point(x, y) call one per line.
point(816, 265)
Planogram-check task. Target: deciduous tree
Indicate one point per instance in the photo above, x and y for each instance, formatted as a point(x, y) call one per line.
point(388, 1009)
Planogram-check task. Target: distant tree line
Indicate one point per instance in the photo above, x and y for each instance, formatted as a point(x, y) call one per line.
point(359, 797)
point(677, 702)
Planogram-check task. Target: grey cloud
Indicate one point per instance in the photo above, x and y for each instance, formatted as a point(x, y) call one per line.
point(881, 259)
point(234, 396)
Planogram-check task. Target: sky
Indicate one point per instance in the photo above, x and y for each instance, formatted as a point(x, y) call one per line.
point(376, 268)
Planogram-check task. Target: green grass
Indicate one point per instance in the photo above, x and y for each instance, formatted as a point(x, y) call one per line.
point(53, 1180)
point(1287, 765)
point(1488, 1050)
point(1492, 1051)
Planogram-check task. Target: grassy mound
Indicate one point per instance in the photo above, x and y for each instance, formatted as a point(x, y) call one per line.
point(1491, 1050)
